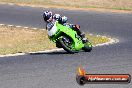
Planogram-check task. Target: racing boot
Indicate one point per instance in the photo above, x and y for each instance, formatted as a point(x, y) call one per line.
point(81, 34)
point(84, 39)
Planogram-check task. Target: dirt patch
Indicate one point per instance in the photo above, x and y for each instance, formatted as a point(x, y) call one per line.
point(14, 40)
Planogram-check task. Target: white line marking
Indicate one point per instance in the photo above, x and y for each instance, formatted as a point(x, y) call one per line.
point(34, 28)
point(20, 54)
point(46, 51)
point(2, 24)
point(11, 4)
point(90, 34)
point(18, 26)
point(9, 55)
point(10, 25)
point(42, 29)
point(112, 41)
point(26, 27)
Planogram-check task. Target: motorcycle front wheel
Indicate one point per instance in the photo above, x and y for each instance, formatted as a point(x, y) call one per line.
point(67, 44)
point(87, 47)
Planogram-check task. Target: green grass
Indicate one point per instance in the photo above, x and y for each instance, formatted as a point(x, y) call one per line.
point(107, 4)
point(120, 8)
point(18, 40)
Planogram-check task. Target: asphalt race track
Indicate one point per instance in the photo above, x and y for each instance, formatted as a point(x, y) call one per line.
point(58, 69)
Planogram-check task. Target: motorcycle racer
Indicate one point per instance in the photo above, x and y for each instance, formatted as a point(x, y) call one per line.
point(49, 17)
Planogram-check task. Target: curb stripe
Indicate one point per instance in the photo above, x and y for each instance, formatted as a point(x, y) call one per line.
point(20, 54)
point(112, 41)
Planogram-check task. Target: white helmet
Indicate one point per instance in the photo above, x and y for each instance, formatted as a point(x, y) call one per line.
point(47, 15)
point(56, 16)
point(64, 19)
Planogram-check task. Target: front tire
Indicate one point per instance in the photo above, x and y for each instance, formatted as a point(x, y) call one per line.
point(65, 45)
point(87, 47)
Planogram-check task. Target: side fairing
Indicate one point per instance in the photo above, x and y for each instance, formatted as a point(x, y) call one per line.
point(52, 31)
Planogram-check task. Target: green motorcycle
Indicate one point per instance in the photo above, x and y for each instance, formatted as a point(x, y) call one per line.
point(67, 38)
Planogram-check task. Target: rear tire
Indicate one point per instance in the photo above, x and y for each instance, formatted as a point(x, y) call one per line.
point(65, 47)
